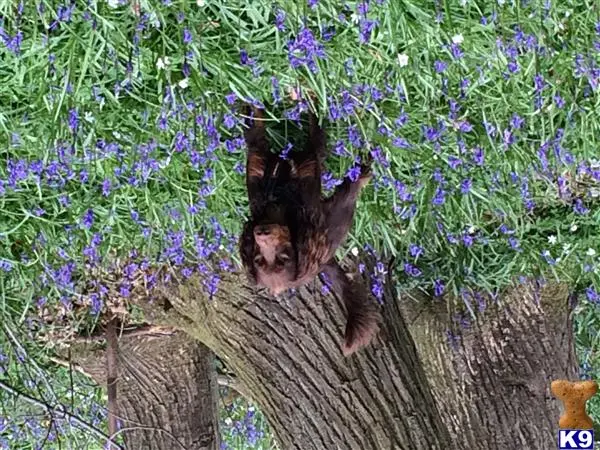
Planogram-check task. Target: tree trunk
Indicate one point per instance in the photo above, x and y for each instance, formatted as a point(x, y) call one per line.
point(167, 390)
point(492, 386)
point(490, 392)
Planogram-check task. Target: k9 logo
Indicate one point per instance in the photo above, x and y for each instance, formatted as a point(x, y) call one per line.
point(575, 439)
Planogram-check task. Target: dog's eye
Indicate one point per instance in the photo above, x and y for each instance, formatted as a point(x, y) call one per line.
point(283, 257)
point(258, 259)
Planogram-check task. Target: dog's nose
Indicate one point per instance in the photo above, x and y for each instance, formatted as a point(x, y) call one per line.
point(262, 230)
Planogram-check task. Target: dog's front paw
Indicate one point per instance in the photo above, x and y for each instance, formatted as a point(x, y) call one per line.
point(365, 171)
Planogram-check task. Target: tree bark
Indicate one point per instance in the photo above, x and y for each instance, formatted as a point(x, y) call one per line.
point(492, 386)
point(487, 387)
point(167, 390)
point(490, 392)
point(286, 353)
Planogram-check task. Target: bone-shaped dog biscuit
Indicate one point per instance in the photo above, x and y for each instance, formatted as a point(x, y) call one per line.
point(574, 395)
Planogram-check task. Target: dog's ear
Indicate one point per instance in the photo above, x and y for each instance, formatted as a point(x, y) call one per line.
point(247, 251)
point(312, 250)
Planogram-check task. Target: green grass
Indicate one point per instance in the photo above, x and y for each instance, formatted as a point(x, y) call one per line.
point(134, 118)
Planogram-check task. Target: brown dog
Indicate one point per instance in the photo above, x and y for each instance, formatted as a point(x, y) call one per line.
point(293, 233)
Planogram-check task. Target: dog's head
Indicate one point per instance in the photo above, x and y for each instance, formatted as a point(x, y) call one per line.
point(269, 255)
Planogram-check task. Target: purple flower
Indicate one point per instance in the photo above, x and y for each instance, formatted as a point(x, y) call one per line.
point(438, 287)
point(592, 294)
point(212, 284)
point(366, 27)
point(465, 186)
point(187, 36)
point(440, 196)
point(478, 156)
point(539, 83)
point(454, 162)
point(244, 59)
point(402, 191)
point(516, 122)
point(401, 119)
point(5, 266)
point(353, 173)
point(558, 101)
point(12, 43)
point(379, 156)
point(106, 187)
point(514, 243)
point(490, 129)
point(339, 149)
point(354, 136)
point(456, 51)
point(73, 120)
point(508, 138)
point(411, 270)
point(415, 250)
point(230, 98)
point(228, 121)
point(400, 142)
point(280, 19)
point(329, 181)
point(88, 219)
point(285, 151)
point(96, 305)
point(440, 66)
point(304, 50)
point(312, 3)
point(377, 289)
point(468, 240)
point(579, 207)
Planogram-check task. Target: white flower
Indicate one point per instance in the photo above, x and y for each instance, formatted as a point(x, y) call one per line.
point(402, 59)
point(566, 246)
point(163, 62)
point(590, 252)
point(184, 83)
point(471, 229)
point(200, 3)
point(573, 228)
point(89, 117)
point(113, 3)
point(552, 239)
point(458, 39)
point(354, 251)
point(153, 19)
point(228, 421)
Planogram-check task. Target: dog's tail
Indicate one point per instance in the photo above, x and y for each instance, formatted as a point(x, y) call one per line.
point(362, 314)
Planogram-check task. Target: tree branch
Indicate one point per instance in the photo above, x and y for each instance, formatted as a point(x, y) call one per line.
point(112, 351)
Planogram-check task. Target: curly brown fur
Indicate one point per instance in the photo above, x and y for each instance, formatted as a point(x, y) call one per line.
point(363, 316)
point(293, 233)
